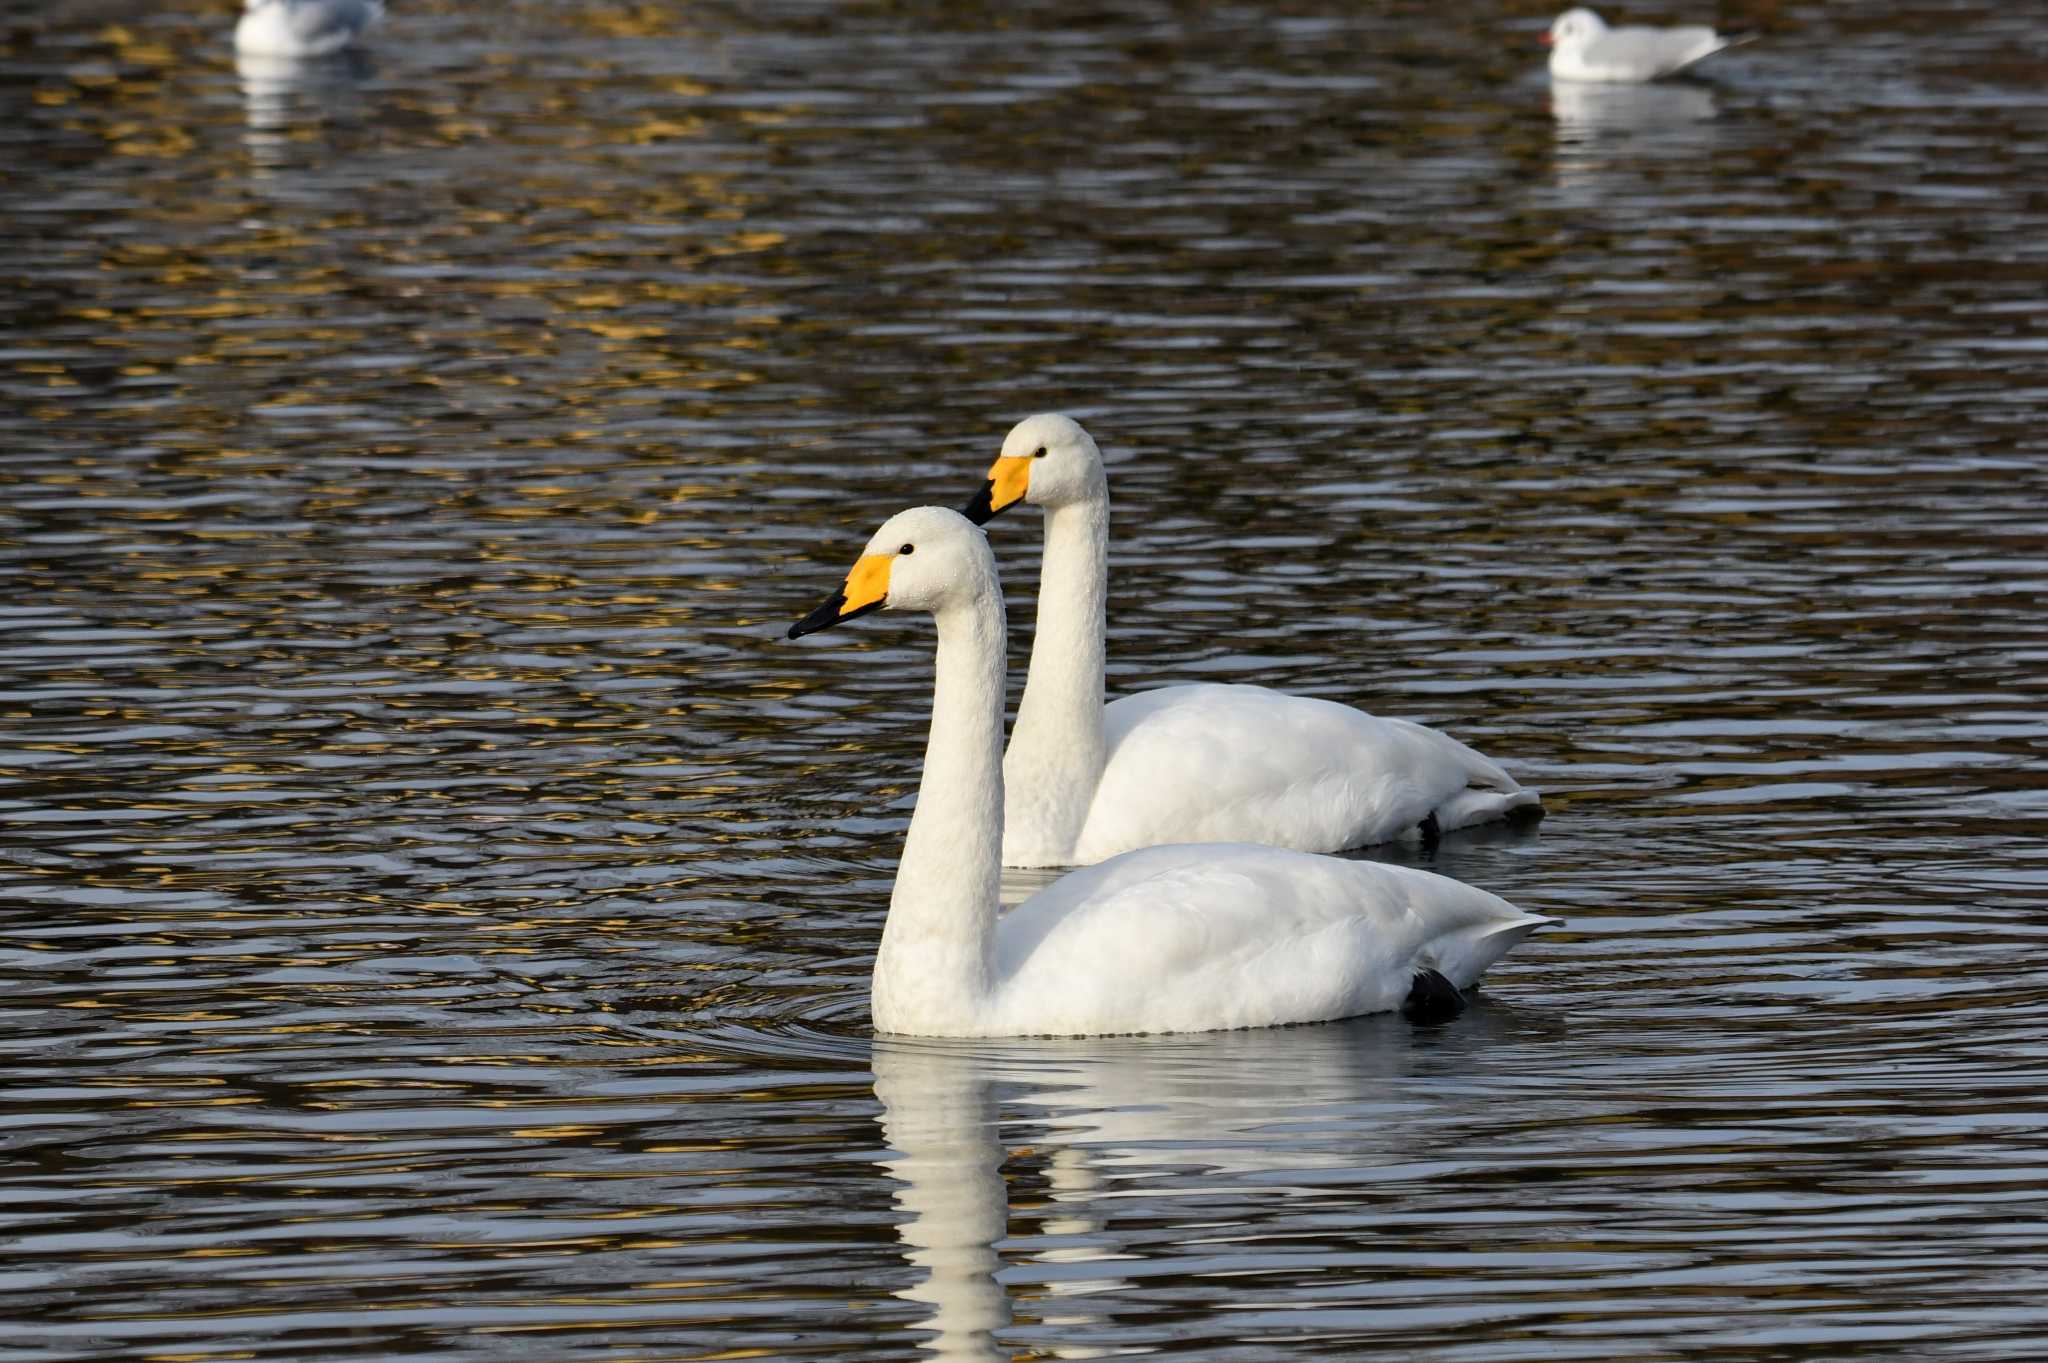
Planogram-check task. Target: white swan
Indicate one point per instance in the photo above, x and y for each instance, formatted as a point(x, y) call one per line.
point(304, 28)
point(1169, 939)
point(1198, 763)
point(1583, 47)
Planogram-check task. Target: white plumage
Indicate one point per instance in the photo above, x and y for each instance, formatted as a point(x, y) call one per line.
point(1190, 763)
point(1251, 764)
point(304, 28)
point(1204, 936)
point(1584, 48)
point(1177, 938)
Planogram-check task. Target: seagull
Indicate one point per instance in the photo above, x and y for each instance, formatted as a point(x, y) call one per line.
point(1583, 47)
point(304, 28)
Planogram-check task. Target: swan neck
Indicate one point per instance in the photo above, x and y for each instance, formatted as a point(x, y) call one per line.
point(1058, 739)
point(934, 968)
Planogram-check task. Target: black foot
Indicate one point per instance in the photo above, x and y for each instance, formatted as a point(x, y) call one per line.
point(1432, 999)
point(1432, 832)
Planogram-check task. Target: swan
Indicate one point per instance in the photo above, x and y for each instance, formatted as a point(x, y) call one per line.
point(304, 28)
point(1202, 763)
point(1166, 939)
point(1583, 47)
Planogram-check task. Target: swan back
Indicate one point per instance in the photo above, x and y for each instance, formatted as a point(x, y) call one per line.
point(1246, 763)
point(1213, 936)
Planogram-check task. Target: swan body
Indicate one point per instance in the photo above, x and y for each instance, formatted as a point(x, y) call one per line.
point(1214, 761)
point(1584, 48)
point(1176, 938)
point(1206, 936)
point(304, 28)
point(1191, 763)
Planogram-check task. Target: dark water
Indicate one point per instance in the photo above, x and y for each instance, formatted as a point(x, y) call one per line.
point(437, 906)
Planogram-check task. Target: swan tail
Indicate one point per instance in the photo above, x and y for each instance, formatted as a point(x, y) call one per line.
point(1484, 804)
point(1465, 958)
point(1486, 791)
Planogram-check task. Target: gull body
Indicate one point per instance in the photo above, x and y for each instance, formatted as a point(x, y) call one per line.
point(1584, 48)
point(1168, 939)
point(1196, 763)
point(304, 28)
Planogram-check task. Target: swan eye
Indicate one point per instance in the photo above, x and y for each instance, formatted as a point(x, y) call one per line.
point(1038, 453)
point(907, 549)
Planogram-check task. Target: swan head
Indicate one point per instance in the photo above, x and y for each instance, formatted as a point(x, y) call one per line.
point(1048, 461)
point(1574, 28)
point(923, 559)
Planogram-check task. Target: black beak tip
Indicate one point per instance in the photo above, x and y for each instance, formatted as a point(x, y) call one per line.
point(980, 507)
point(832, 613)
point(824, 617)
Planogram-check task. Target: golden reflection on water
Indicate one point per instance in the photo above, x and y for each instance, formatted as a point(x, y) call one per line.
point(441, 905)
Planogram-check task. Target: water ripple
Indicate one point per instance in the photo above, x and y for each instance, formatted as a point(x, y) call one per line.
point(437, 904)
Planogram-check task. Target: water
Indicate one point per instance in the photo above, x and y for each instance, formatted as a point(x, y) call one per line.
point(438, 905)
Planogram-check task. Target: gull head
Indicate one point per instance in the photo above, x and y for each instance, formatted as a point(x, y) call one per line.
point(1574, 29)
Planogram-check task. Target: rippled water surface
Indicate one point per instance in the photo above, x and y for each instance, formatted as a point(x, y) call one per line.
point(438, 904)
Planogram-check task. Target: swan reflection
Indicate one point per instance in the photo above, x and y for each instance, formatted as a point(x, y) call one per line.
point(1089, 1126)
point(938, 1115)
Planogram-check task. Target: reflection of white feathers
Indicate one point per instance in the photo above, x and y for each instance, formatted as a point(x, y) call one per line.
point(267, 84)
point(1587, 108)
point(1605, 132)
point(1106, 1121)
point(305, 28)
point(279, 92)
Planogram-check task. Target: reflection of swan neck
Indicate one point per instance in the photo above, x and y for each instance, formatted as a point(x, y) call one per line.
point(1104, 1112)
point(937, 1116)
point(1075, 1181)
point(934, 967)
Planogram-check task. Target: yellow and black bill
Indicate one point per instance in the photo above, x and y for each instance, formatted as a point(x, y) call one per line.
point(866, 589)
point(1009, 478)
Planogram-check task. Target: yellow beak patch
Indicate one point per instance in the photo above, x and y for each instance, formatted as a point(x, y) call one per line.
point(866, 589)
point(868, 583)
point(1009, 479)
